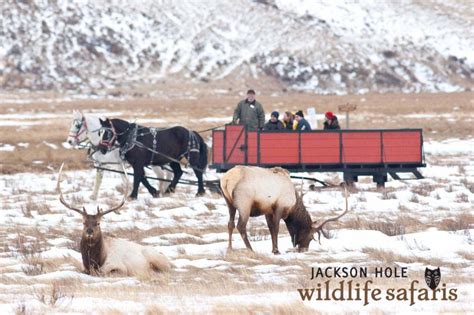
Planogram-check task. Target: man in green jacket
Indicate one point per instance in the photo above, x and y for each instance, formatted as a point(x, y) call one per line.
point(249, 112)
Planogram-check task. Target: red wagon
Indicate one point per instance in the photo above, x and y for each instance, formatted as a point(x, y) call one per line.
point(353, 152)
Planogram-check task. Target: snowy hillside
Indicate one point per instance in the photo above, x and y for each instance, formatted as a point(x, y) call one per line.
point(323, 46)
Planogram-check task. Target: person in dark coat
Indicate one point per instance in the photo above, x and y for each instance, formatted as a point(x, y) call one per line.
point(331, 122)
point(249, 112)
point(274, 123)
point(289, 120)
point(303, 124)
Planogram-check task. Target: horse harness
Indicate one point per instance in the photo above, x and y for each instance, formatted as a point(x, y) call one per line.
point(131, 141)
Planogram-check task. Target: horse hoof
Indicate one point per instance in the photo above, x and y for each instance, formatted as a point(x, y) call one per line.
point(200, 193)
point(169, 191)
point(155, 194)
point(277, 252)
point(132, 197)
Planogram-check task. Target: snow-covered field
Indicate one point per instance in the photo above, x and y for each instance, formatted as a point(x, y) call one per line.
point(413, 224)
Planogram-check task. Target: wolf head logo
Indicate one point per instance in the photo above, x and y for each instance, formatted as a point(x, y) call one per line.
point(432, 277)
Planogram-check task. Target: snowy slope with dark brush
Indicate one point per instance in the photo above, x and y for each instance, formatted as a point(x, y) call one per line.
point(323, 46)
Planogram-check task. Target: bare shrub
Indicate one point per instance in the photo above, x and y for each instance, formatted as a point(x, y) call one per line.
point(414, 199)
point(424, 189)
point(26, 210)
point(466, 255)
point(20, 308)
point(210, 205)
point(401, 225)
point(387, 228)
point(388, 195)
point(186, 240)
point(30, 254)
point(462, 197)
point(258, 234)
point(54, 295)
point(462, 221)
point(362, 197)
point(469, 185)
point(77, 199)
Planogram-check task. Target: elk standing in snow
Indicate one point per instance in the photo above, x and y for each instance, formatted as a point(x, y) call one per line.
point(112, 255)
point(255, 191)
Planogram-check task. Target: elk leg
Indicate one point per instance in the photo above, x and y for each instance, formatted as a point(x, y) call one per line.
point(177, 175)
point(242, 227)
point(271, 227)
point(231, 224)
point(276, 228)
point(99, 174)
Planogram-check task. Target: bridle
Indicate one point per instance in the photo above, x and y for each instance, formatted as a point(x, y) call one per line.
point(109, 143)
point(82, 129)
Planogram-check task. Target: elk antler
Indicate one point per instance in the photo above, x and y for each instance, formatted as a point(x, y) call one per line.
point(319, 228)
point(115, 208)
point(61, 197)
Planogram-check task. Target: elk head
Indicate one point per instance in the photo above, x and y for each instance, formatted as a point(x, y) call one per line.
point(91, 230)
point(305, 234)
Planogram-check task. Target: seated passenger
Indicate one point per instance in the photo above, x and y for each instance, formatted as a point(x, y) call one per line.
point(274, 123)
point(331, 122)
point(303, 124)
point(289, 121)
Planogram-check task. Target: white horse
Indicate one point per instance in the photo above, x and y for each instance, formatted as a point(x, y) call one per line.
point(86, 127)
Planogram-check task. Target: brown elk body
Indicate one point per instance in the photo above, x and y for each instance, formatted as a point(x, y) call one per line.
point(255, 191)
point(111, 255)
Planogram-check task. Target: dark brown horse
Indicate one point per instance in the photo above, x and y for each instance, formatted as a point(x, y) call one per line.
point(142, 146)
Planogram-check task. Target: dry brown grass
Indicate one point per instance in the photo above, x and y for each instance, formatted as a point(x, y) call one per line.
point(55, 295)
point(462, 221)
point(385, 111)
point(402, 224)
point(294, 308)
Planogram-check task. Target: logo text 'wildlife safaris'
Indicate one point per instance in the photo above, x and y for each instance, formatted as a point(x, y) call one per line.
point(367, 292)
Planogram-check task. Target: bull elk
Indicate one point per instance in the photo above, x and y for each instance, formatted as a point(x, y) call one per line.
point(255, 191)
point(105, 255)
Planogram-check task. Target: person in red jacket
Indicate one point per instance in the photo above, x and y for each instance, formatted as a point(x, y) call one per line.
point(331, 122)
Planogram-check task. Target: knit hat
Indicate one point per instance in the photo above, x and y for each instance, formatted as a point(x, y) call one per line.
point(275, 114)
point(329, 115)
point(299, 113)
point(251, 91)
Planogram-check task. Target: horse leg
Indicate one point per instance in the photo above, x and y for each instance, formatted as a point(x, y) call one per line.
point(177, 175)
point(150, 188)
point(138, 173)
point(98, 181)
point(201, 190)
